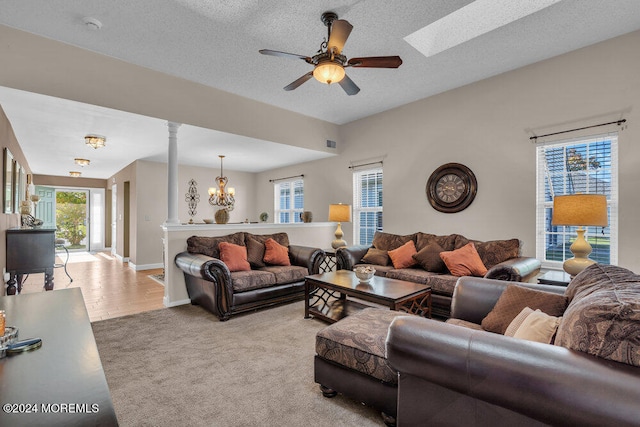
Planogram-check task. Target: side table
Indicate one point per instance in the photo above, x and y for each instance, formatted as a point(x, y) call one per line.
point(330, 263)
point(554, 277)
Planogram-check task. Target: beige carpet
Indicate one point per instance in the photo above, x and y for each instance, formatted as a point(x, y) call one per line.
point(182, 366)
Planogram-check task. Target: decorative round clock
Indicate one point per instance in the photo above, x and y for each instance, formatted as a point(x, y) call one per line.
point(451, 188)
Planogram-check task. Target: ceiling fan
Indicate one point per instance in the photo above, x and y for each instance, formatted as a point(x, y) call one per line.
point(329, 63)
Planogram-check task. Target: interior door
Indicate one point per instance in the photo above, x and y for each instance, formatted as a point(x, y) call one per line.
point(114, 218)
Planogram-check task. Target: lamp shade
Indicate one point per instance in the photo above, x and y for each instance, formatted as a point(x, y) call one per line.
point(340, 213)
point(580, 209)
point(328, 72)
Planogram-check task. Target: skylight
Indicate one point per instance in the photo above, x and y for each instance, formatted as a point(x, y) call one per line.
point(471, 21)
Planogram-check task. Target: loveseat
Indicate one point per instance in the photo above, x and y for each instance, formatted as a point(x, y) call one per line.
point(244, 271)
point(457, 373)
point(501, 260)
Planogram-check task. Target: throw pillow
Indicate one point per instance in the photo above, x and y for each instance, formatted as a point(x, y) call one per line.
point(255, 252)
point(234, 256)
point(403, 256)
point(464, 261)
point(429, 258)
point(275, 253)
point(376, 257)
point(209, 245)
point(514, 299)
point(533, 325)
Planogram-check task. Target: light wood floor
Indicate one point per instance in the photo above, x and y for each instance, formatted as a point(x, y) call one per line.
point(110, 288)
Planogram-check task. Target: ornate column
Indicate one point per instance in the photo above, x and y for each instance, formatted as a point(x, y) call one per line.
point(172, 169)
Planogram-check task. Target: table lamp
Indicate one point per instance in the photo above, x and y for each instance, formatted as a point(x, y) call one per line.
point(339, 213)
point(579, 210)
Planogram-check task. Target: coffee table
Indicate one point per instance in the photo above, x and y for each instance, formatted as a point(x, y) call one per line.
point(326, 295)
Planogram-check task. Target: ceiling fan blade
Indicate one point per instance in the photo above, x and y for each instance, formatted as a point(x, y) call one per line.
point(340, 30)
point(349, 86)
point(299, 81)
point(285, 55)
point(376, 62)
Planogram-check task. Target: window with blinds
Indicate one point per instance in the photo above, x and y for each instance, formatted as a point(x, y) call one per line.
point(367, 205)
point(588, 166)
point(288, 201)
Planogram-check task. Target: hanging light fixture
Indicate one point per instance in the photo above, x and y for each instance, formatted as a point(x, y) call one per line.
point(82, 162)
point(222, 196)
point(95, 141)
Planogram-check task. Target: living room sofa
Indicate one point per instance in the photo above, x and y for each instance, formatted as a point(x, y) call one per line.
point(258, 282)
point(502, 259)
point(457, 373)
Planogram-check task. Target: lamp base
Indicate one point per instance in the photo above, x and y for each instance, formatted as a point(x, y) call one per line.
point(338, 242)
point(580, 250)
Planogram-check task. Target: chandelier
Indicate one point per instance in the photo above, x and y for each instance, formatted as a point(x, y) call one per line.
point(222, 196)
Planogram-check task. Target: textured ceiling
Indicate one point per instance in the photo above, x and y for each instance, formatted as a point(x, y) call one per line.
point(216, 43)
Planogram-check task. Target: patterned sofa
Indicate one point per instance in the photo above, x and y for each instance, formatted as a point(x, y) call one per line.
point(501, 258)
point(225, 286)
point(421, 371)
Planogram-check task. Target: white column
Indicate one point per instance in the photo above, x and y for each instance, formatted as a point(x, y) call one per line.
point(172, 169)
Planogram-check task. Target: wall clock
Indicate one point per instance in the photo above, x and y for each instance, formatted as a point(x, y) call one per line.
point(451, 188)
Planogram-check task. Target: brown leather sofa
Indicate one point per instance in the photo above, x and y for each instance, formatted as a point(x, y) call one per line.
point(211, 285)
point(454, 375)
point(502, 264)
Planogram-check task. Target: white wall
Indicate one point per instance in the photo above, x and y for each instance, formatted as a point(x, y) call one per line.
point(487, 126)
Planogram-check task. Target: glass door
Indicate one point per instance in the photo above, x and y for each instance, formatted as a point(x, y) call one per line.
point(72, 218)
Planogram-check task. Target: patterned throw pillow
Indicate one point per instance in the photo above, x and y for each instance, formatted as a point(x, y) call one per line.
point(464, 261)
point(403, 256)
point(209, 245)
point(275, 253)
point(388, 241)
point(514, 299)
point(533, 325)
point(234, 256)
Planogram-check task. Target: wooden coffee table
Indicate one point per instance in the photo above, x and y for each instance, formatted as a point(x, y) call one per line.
point(326, 295)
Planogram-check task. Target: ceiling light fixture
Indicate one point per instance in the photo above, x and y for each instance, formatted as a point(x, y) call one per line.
point(95, 141)
point(82, 162)
point(222, 196)
point(328, 72)
point(75, 174)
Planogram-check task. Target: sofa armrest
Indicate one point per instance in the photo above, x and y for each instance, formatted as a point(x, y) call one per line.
point(520, 269)
point(348, 256)
point(305, 256)
point(474, 297)
point(551, 384)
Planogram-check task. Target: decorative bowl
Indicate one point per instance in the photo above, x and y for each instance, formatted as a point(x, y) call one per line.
point(364, 273)
point(208, 221)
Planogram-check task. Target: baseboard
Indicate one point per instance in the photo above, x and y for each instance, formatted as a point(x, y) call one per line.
point(175, 303)
point(145, 266)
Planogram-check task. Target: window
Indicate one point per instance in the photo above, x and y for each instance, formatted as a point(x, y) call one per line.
point(367, 205)
point(289, 201)
point(589, 166)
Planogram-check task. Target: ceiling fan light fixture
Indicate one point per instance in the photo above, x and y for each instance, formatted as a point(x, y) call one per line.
point(328, 72)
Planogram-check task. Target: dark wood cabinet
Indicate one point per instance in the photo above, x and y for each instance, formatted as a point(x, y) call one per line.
point(30, 250)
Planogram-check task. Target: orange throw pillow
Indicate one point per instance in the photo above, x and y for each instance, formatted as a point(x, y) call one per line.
point(234, 256)
point(403, 256)
point(464, 261)
point(275, 253)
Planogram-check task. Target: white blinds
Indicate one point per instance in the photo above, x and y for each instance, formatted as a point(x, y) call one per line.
point(367, 204)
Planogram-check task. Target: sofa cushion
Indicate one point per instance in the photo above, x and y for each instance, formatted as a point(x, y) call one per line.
point(448, 242)
point(402, 257)
point(464, 323)
point(603, 318)
point(494, 251)
point(209, 245)
point(442, 284)
point(234, 256)
point(533, 325)
point(243, 281)
point(287, 274)
point(388, 241)
point(255, 252)
point(358, 342)
point(464, 261)
point(376, 256)
point(429, 258)
point(514, 299)
point(275, 253)
point(282, 238)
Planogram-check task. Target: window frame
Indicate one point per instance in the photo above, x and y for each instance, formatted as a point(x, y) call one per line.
point(544, 207)
point(357, 209)
point(294, 213)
